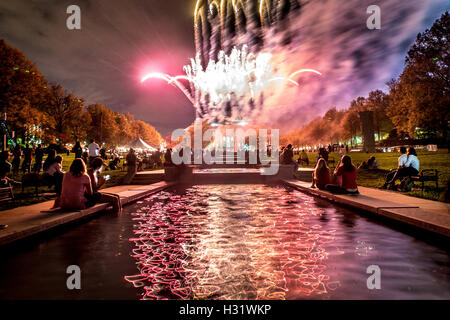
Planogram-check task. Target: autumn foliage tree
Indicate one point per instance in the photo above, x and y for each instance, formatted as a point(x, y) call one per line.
point(57, 114)
point(22, 90)
point(420, 96)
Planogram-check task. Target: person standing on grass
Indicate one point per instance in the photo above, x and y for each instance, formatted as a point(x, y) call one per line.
point(38, 156)
point(78, 150)
point(93, 149)
point(97, 182)
point(27, 159)
point(17, 154)
point(347, 171)
point(131, 161)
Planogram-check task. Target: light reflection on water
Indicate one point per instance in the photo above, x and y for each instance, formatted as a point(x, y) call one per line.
point(231, 242)
point(252, 242)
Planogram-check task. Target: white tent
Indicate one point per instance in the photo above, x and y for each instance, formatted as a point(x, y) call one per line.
point(141, 144)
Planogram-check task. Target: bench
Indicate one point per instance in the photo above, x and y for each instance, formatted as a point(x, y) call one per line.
point(427, 175)
point(6, 194)
point(35, 180)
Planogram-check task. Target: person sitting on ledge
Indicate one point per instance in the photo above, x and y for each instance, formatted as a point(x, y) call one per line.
point(97, 182)
point(49, 160)
point(410, 168)
point(287, 157)
point(321, 175)
point(280, 154)
point(75, 187)
point(347, 171)
point(168, 158)
point(132, 161)
point(323, 153)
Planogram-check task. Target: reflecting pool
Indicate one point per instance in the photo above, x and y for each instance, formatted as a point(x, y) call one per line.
point(228, 242)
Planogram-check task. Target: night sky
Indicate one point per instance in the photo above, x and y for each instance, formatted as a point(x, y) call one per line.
point(121, 39)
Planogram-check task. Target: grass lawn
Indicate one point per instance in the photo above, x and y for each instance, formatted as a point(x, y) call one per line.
point(428, 160)
point(28, 196)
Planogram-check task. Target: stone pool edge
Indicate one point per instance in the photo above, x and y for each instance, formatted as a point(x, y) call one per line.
point(411, 214)
point(24, 222)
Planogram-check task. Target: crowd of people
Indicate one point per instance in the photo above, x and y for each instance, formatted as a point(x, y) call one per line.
point(89, 161)
point(343, 179)
point(79, 187)
point(22, 158)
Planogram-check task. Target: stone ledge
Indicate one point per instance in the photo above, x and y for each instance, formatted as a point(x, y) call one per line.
point(406, 210)
point(28, 221)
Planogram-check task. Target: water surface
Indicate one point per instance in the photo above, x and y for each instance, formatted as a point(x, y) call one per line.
point(228, 242)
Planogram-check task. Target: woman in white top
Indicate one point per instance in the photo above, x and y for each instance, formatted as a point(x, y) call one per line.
point(412, 162)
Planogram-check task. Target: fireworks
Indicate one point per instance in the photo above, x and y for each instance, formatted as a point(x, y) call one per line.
point(234, 76)
point(240, 75)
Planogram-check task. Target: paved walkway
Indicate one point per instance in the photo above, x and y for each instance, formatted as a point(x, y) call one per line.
point(26, 221)
point(426, 214)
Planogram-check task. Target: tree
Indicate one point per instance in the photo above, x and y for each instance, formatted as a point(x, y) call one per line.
point(103, 127)
point(147, 133)
point(78, 129)
point(358, 104)
point(65, 112)
point(126, 133)
point(21, 89)
point(378, 102)
point(351, 125)
point(420, 96)
point(35, 109)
